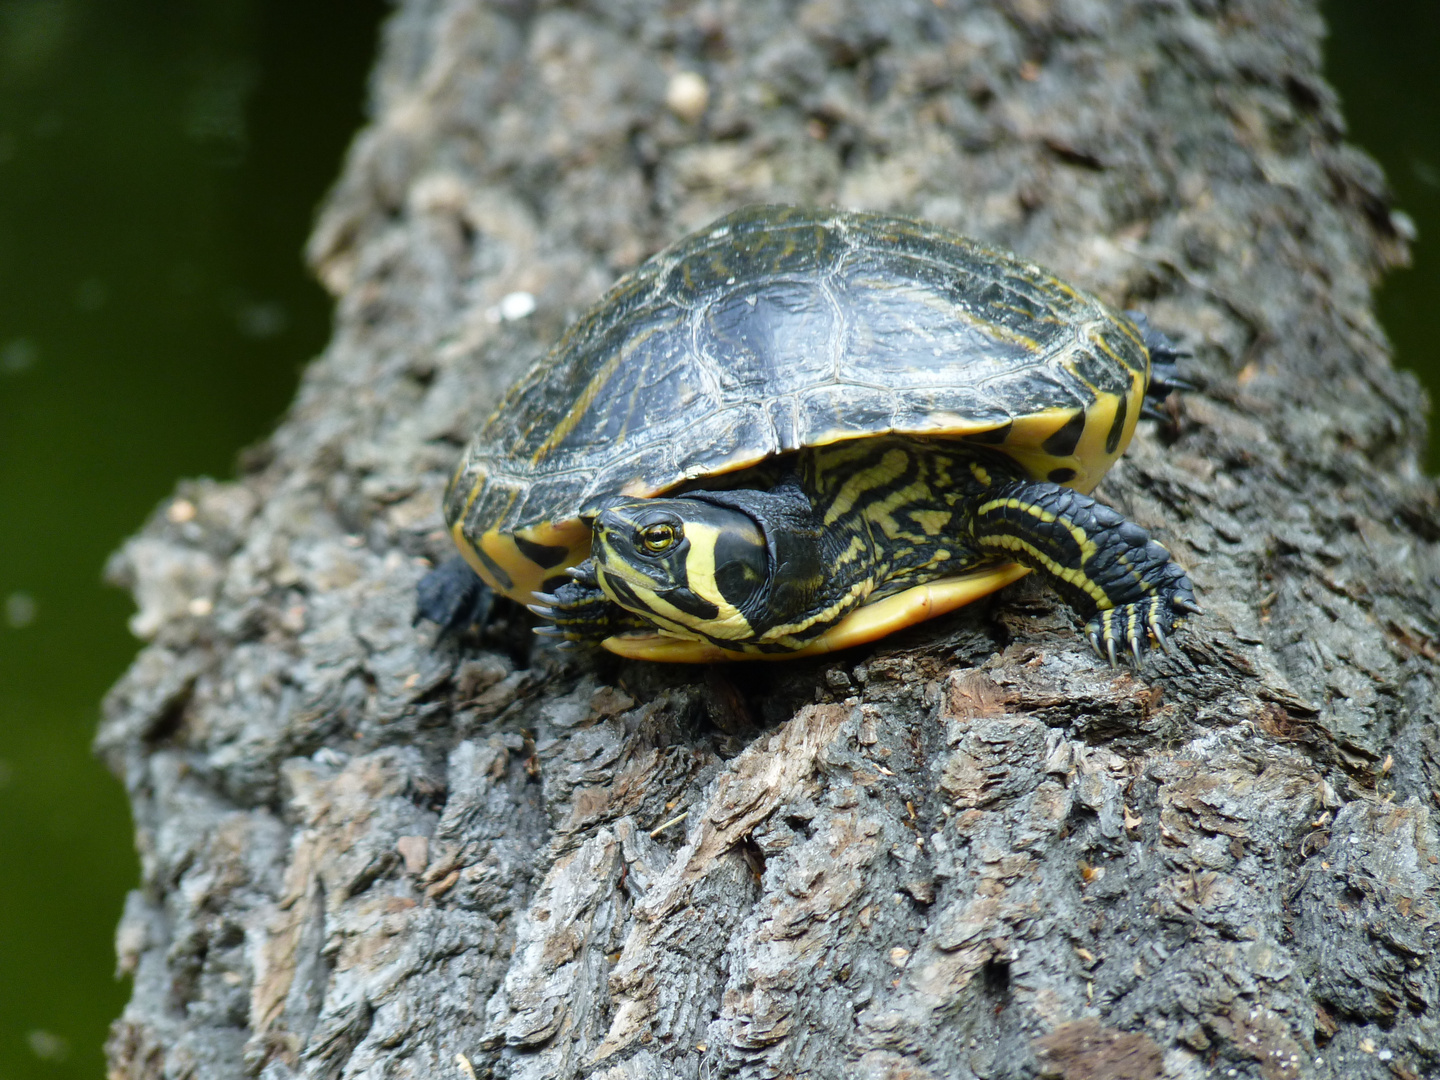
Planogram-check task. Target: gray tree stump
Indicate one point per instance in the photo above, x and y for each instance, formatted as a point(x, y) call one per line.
point(972, 851)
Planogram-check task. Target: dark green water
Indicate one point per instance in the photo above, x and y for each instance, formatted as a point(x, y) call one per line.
point(1382, 59)
point(159, 165)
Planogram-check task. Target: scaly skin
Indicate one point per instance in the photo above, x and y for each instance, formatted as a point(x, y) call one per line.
point(883, 515)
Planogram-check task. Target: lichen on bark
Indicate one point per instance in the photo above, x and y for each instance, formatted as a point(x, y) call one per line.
point(970, 851)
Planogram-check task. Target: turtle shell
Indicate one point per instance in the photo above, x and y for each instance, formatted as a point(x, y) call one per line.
point(778, 328)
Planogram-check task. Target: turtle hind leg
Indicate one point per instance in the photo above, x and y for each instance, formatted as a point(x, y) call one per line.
point(580, 613)
point(453, 596)
point(1122, 582)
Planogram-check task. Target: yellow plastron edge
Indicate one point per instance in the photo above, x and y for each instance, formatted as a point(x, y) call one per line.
point(863, 624)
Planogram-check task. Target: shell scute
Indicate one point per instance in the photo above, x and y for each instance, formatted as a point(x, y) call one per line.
point(768, 338)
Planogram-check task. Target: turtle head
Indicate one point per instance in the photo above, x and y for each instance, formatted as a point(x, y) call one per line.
point(687, 565)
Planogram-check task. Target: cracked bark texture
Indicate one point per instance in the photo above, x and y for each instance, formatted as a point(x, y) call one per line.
point(971, 851)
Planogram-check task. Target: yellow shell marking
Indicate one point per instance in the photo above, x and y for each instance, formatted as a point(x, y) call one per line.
point(580, 408)
point(526, 577)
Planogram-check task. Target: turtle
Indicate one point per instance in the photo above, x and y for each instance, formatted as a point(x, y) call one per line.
point(801, 429)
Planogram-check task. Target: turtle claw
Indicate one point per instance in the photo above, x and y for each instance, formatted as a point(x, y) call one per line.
point(1161, 639)
point(1133, 626)
point(581, 615)
point(1137, 650)
point(584, 573)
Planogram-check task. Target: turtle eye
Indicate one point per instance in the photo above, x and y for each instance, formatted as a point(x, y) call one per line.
point(659, 537)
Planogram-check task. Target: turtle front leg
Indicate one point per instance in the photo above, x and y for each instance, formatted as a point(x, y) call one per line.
point(580, 613)
point(1106, 567)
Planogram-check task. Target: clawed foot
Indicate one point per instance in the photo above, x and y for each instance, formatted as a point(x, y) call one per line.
point(1129, 628)
point(1164, 372)
point(454, 596)
point(579, 613)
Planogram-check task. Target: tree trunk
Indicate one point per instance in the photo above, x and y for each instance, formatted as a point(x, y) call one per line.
point(971, 851)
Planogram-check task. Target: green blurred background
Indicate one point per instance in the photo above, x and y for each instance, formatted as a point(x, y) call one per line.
point(160, 161)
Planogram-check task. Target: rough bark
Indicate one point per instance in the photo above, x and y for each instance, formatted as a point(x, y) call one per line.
point(972, 851)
